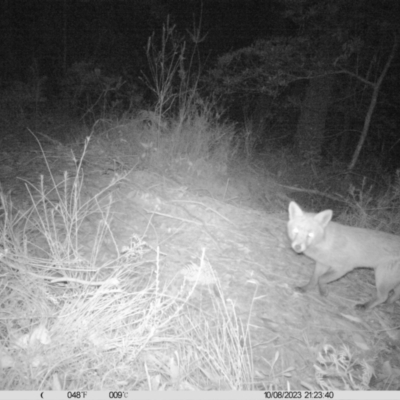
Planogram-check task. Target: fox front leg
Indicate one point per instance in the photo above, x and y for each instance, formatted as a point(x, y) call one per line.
point(319, 271)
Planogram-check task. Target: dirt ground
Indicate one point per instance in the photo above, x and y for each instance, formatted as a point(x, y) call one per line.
point(239, 221)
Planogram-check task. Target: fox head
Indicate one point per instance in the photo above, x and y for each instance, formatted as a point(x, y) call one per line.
point(306, 229)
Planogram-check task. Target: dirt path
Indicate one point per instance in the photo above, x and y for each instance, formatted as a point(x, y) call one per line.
point(250, 254)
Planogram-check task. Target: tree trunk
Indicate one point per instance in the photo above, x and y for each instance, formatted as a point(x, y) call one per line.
point(259, 119)
point(371, 108)
point(260, 114)
point(311, 125)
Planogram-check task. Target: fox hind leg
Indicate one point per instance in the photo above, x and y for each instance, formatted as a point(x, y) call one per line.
point(375, 301)
point(394, 274)
point(384, 285)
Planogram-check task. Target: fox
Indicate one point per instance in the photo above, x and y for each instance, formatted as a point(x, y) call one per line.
point(338, 249)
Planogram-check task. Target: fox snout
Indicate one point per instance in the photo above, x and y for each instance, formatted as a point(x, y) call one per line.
point(298, 247)
point(300, 239)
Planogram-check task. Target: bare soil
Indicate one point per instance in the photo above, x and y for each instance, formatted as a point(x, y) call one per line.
point(240, 223)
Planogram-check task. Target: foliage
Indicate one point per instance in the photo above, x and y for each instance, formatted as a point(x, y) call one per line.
point(89, 92)
point(268, 66)
point(185, 126)
point(19, 99)
point(329, 40)
point(341, 370)
point(174, 74)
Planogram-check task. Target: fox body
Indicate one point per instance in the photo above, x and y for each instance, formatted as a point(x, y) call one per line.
point(338, 249)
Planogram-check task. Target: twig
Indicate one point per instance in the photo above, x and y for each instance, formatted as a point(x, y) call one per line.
point(313, 191)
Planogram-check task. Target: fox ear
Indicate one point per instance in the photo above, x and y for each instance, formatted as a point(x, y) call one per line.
point(295, 210)
point(324, 217)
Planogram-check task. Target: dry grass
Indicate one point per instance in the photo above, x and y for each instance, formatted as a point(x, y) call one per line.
point(70, 322)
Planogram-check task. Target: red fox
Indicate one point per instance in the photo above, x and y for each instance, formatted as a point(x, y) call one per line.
point(338, 249)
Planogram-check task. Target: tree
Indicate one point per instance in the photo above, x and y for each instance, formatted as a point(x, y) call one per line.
point(362, 28)
point(334, 39)
point(376, 87)
point(265, 69)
